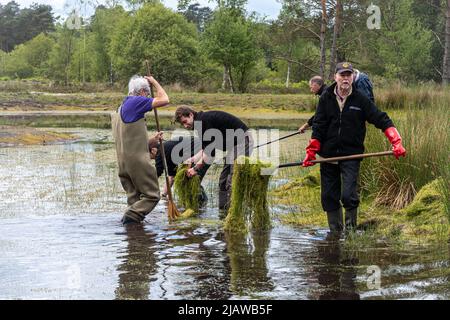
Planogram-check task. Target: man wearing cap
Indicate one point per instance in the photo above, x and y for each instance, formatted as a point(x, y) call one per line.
point(339, 129)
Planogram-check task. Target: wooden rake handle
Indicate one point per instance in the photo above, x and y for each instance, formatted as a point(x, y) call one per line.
point(163, 153)
point(353, 157)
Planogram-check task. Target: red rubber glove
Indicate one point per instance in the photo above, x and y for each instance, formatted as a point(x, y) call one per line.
point(311, 150)
point(396, 141)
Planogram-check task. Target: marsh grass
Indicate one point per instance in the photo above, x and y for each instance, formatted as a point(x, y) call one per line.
point(399, 96)
point(425, 133)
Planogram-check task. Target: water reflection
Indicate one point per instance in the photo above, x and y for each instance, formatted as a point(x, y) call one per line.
point(139, 265)
point(336, 273)
point(248, 262)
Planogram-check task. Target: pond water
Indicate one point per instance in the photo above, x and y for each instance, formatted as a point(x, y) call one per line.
point(61, 238)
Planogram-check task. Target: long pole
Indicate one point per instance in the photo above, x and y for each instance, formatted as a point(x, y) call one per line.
point(172, 209)
point(352, 157)
point(289, 135)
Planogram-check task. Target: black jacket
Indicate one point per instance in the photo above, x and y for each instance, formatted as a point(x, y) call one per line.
point(187, 143)
point(222, 122)
point(322, 89)
point(343, 133)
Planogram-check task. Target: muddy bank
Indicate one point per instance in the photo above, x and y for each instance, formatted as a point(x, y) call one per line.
point(13, 136)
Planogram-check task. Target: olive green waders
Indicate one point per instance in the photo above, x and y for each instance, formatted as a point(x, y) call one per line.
point(136, 172)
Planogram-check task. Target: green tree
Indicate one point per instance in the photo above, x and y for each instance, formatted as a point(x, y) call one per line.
point(431, 14)
point(103, 26)
point(20, 25)
point(61, 54)
point(2, 63)
point(404, 44)
point(165, 38)
point(196, 14)
point(29, 59)
point(8, 25)
point(229, 40)
point(16, 64)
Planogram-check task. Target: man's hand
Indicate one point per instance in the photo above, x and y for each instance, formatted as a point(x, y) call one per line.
point(311, 150)
point(151, 80)
point(189, 161)
point(396, 140)
point(303, 128)
point(158, 136)
point(191, 173)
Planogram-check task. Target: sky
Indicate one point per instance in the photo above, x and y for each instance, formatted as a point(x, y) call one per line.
point(269, 8)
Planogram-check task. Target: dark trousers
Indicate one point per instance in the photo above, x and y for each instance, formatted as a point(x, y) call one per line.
point(226, 176)
point(339, 182)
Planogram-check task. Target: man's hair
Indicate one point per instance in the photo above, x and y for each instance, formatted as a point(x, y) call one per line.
point(153, 143)
point(183, 111)
point(318, 80)
point(136, 84)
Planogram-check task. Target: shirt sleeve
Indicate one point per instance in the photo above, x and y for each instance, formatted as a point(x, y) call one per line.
point(143, 105)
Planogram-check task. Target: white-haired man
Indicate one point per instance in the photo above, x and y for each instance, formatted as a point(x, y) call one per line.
point(136, 173)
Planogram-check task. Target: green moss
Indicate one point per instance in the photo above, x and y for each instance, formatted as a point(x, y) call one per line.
point(248, 196)
point(303, 196)
point(189, 213)
point(428, 204)
point(426, 217)
point(187, 189)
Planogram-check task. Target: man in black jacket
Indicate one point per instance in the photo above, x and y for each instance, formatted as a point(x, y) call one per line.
point(217, 130)
point(317, 86)
point(177, 151)
point(339, 129)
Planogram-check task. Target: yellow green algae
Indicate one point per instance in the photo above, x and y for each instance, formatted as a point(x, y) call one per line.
point(187, 190)
point(248, 196)
point(30, 136)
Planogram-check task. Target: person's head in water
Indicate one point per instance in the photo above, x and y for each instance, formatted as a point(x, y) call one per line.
point(185, 116)
point(138, 86)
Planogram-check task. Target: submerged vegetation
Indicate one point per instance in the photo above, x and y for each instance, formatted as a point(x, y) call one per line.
point(248, 196)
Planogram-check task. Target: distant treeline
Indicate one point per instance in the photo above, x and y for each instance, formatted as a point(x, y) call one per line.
point(228, 48)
